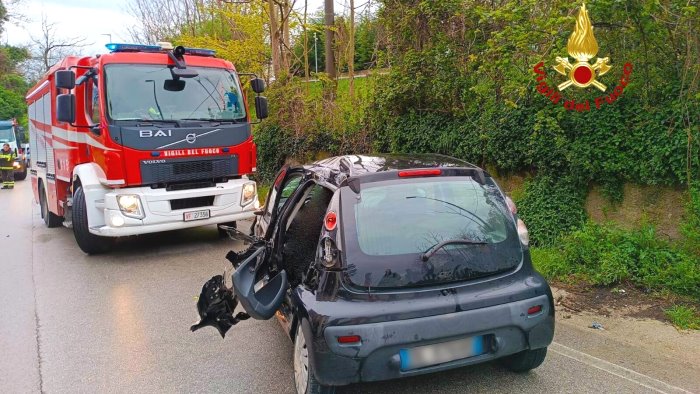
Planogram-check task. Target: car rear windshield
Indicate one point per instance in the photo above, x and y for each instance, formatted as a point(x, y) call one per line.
point(389, 225)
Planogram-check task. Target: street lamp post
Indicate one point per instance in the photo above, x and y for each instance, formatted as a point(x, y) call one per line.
point(108, 35)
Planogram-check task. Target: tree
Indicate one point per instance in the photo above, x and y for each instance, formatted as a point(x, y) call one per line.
point(49, 48)
point(3, 16)
point(163, 20)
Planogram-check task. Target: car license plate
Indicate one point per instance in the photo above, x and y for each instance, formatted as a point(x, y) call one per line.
point(424, 356)
point(196, 215)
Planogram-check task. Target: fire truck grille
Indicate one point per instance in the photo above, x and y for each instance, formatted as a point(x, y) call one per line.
point(183, 170)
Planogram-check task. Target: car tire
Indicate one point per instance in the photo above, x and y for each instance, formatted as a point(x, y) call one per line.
point(21, 175)
point(525, 361)
point(51, 220)
point(88, 242)
point(304, 379)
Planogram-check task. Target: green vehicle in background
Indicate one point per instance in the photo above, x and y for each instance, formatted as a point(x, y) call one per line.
point(9, 133)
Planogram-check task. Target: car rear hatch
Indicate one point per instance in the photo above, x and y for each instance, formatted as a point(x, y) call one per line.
point(398, 233)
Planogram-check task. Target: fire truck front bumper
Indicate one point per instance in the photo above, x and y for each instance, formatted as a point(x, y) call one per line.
point(142, 210)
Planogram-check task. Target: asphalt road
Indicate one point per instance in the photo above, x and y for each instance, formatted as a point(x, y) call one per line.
point(71, 323)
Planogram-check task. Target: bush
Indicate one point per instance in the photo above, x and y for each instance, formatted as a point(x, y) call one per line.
point(684, 317)
point(605, 255)
point(551, 207)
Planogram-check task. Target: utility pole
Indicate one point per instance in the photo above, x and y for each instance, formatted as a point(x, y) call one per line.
point(330, 25)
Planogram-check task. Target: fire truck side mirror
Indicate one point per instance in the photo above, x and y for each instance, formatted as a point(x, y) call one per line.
point(258, 85)
point(261, 107)
point(65, 108)
point(65, 79)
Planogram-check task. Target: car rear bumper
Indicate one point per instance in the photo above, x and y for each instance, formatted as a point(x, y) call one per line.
point(508, 327)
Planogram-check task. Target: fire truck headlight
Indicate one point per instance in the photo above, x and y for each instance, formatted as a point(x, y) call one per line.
point(248, 194)
point(130, 205)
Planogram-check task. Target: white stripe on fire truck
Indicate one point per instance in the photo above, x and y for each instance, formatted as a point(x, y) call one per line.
point(60, 145)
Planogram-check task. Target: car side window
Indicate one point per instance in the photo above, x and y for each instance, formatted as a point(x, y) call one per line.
point(286, 190)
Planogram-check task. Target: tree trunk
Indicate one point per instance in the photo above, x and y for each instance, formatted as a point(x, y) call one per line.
point(285, 10)
point(330, 25)
point(274, 39)
point(351, 49)
point(306, 46)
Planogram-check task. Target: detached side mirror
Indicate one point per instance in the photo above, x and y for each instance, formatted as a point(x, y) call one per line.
point(258, 85)
point(65, 108)
point(261, 107)
point(64, 79)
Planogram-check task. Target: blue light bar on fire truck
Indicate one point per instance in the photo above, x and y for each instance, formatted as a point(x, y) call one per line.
point(200, 52)
point(114, 47)
point(132, 48)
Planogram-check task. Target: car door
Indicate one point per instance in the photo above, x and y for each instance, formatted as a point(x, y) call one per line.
point(261, 302)
point(286, 182)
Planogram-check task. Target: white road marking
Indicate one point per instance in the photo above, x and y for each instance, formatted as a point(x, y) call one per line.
point(614, 369)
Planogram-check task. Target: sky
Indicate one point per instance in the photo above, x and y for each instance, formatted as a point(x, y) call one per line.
point(95, 20)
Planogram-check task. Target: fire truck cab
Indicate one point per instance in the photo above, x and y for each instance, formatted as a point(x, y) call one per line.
point(143, 139)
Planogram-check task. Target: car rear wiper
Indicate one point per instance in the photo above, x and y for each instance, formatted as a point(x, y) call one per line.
point(431, 251)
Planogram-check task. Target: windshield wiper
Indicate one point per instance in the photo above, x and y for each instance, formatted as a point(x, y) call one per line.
point(146, 121)
point(431, 250)
point(238, 120)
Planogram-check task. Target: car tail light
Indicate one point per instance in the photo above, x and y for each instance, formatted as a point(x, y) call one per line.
point(534, 309)
point(331, 221)
point(329, 253)
point(410, 173)
point(349, 339)
point(511, 206)
point(523, 234)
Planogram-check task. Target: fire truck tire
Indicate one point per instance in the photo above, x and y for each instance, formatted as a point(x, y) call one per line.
point(88, 242)
point(50, 219)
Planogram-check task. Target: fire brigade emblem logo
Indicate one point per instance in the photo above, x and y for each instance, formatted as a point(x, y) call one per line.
point(582, 46)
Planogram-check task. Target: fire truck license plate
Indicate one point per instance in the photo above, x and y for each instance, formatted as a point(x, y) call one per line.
point(197, 215)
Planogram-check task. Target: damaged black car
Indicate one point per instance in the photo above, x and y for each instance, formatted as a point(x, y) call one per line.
point(381, 267)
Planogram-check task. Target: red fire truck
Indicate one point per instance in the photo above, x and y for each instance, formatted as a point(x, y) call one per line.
point(143, 139)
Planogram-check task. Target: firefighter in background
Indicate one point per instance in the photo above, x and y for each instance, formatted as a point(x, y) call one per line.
point(7, 159)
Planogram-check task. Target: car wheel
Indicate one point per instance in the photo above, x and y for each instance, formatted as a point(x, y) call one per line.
point(525, 360)
point(50, 219)
point(87, 241)
point(20, 176)
point(304, 379)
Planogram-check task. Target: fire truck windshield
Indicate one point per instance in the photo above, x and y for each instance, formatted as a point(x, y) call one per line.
point(149, 92)
point(7, 134)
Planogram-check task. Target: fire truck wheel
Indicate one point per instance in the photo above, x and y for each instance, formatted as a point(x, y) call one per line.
point(50, 219)
point(88, 242)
